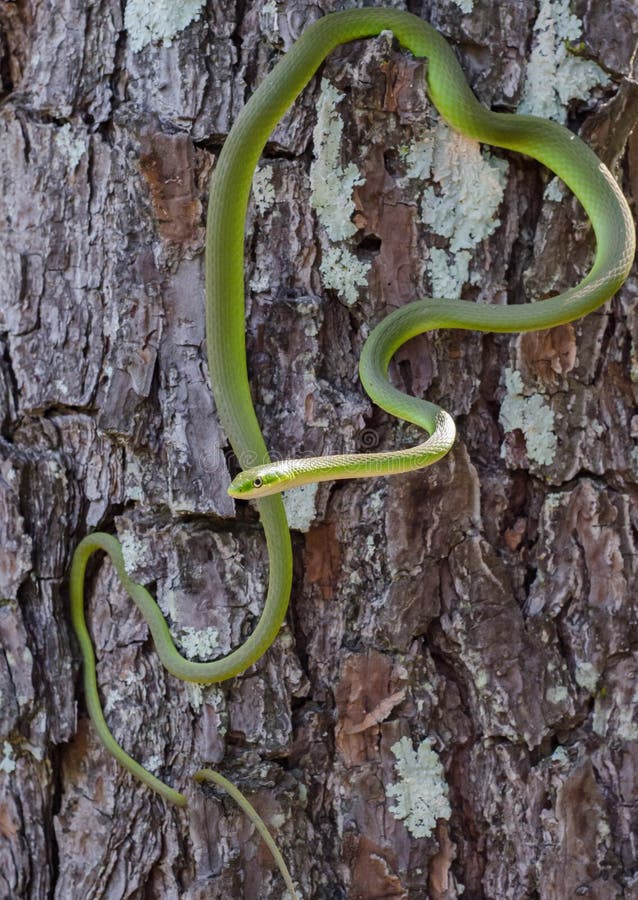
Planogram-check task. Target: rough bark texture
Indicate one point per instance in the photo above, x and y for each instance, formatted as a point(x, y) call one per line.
point(487, 604)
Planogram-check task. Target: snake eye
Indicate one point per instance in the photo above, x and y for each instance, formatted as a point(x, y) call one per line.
point(257, 482)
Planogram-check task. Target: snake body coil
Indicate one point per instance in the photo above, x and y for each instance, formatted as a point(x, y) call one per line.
point(554, 146)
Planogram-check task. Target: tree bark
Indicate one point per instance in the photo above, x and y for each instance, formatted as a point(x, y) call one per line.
point(451, 709)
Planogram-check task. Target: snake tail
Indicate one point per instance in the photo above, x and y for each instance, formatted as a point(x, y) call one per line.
point(241, 801)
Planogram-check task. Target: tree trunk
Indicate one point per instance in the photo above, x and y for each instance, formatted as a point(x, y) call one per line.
point(451, 708)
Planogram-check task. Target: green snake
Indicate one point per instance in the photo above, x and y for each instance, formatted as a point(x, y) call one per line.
point(549, 143)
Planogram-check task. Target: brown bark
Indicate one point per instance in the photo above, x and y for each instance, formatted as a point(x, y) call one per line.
point(487, 603)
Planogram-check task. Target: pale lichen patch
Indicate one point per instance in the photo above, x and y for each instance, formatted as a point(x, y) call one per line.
point(342, 272)
point(624, 725)
point(72, 145)
point(470, 190)
point(465, 6)
point(556, 694)
point(417, 158)
point(554, 75)
point(448, 272)
point(560, 756)
point(462, 204)
point(154, 763)
point(421, 794)
point(332, 184)
point(587, 676)
point(198, 643)
point(7, 763)
point(268, 18)
point(555, 191)
point(195, 695)
point(132, 550)
point(532, 416)
point(263, 189)
point(148, 21)
point(300, 506)
point(331, 196)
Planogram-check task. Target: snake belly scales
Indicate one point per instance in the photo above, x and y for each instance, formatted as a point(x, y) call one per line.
point(549, 143)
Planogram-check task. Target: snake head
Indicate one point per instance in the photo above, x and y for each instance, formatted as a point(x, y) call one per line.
point(261, 481)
